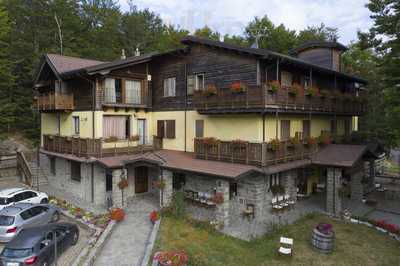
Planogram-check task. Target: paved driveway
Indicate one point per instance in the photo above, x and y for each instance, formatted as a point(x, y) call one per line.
point(126, 245)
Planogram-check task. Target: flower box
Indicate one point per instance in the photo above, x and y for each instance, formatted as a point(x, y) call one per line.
point(238, 87)
point(210, 90)
point(274, 86)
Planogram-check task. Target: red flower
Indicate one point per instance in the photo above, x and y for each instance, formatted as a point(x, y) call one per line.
point(154, 216)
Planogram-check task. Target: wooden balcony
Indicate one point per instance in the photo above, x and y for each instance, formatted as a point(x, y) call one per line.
point(259, 154)
point(260, 98)
point(53, 101)
point(86, 147)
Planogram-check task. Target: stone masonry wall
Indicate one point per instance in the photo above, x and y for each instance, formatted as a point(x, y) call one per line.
point(333, 200)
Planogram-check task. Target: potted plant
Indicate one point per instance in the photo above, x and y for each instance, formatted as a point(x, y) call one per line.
point(154, 216)
point(210, 90)
point(171, 258)
point(311, 91)
point(117, 214)
point(311, 141)
point(274, 86)
point(238, 87)
point(218, 198)
point(122, 184)
point(295, 89)
point(274, 144)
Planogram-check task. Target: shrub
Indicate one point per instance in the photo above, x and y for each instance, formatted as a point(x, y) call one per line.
point(178, 204)
point(117, 214)
point(172, 258)
point(154, 216)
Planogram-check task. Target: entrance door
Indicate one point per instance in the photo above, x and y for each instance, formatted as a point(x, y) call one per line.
point(141, 179)
point(142, 131)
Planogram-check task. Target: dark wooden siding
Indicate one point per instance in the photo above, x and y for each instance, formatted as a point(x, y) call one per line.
point(83, 94)
point(318, 56)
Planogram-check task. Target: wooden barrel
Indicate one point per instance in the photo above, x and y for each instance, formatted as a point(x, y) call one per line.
point(323, 242)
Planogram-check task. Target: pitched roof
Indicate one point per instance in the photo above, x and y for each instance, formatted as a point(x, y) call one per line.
point(265, 54)
point(63, 64)
point(183, 161)
point(317, 44)
point(341, 155)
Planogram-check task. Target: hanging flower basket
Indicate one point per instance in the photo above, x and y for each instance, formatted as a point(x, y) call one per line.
point(238, 87)
point(274, 145)
point(123, 183)
point(274, 86)
point(210, 90)
point(171, 258)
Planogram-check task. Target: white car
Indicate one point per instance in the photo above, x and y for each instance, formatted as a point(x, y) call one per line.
point(10, 196)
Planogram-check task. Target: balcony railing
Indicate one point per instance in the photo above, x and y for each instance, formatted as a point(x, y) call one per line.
point(138, 99)
point(54, 101)
point(259, 154)
point(254, 97)
point(86, 147)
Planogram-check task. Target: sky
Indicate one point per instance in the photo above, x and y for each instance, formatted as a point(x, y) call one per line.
point(232, 16)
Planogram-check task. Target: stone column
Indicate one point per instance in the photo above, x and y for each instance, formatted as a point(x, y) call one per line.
point(333, 200)
point(357, 188)
point(290, 183)
point(166, 193)
point(222, 210)
point(116, 192)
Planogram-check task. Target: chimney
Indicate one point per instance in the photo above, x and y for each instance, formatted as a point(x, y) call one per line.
point(137, 52)
point(123, 56)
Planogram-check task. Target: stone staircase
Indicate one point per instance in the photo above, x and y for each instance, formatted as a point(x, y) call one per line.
point(39, 177)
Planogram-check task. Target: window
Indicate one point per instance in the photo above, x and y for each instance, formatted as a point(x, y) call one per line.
point(133, 91)
point(178, 181)
point(19, 197)
point(166, 129)
point(285, 130)
point(232, 190)
point(112, 90)
point(286, 79)
point(199, 86)
point(116, 126)
point(76, 171)
point(29, 194)
point(170, 87)
point(53, 166)
point(75, 124)
point(36, 211)
point(306, 129)
point(190, 84)
point(25, 215)
point(58, 117)
point(274, 180)
point(199, 128)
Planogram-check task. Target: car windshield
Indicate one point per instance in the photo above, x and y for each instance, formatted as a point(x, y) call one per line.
point(6, 220)
point(17, 253)
point(4, 201)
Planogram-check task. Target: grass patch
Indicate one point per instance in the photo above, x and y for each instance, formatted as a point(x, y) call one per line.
point(355, 244)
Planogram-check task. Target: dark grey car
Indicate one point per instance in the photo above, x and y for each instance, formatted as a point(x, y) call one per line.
point(36, 245)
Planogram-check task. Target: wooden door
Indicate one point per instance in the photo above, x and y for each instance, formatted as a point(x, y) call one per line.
point(141, 179)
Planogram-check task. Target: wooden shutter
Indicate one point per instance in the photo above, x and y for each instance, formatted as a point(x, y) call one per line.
point(285, 130)
point(170, 129)
point(306, 128)
point(199, 128)
point(160, 128)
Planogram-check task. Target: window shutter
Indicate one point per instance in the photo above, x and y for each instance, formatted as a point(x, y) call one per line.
point(190, 84)
point(170, 129)
point(199, 128)
point(160, 128)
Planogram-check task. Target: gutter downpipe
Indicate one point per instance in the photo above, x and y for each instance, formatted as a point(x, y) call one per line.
point(186, 98)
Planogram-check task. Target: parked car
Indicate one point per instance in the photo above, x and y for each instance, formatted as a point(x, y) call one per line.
point(22, 215)
point(36, 246)
point(11, 196)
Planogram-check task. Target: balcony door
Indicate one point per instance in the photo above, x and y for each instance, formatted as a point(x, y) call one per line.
point(285, 130)
point(142, 131)
point(133, 91)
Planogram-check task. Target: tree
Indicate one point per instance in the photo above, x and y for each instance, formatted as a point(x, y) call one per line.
point(208, 33)
point(317, 33)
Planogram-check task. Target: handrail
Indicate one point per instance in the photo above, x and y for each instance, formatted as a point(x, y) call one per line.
point(23, 167)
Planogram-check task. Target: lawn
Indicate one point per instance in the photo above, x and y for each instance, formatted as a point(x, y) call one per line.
point(355, 244)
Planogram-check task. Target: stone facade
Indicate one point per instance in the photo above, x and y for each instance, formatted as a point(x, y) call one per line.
point(167, 191)
point(357, 187)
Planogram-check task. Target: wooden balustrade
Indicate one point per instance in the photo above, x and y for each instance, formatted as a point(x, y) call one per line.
point(259, 154)
point(54, 101)
point(86, 147)
point(23, 168)
point(262, 97)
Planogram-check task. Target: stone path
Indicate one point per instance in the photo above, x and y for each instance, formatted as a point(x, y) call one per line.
point(127, 243)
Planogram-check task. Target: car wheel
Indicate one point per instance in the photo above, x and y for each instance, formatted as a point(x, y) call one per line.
point(75, 238)
point(55, 217)
point(44, 201)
